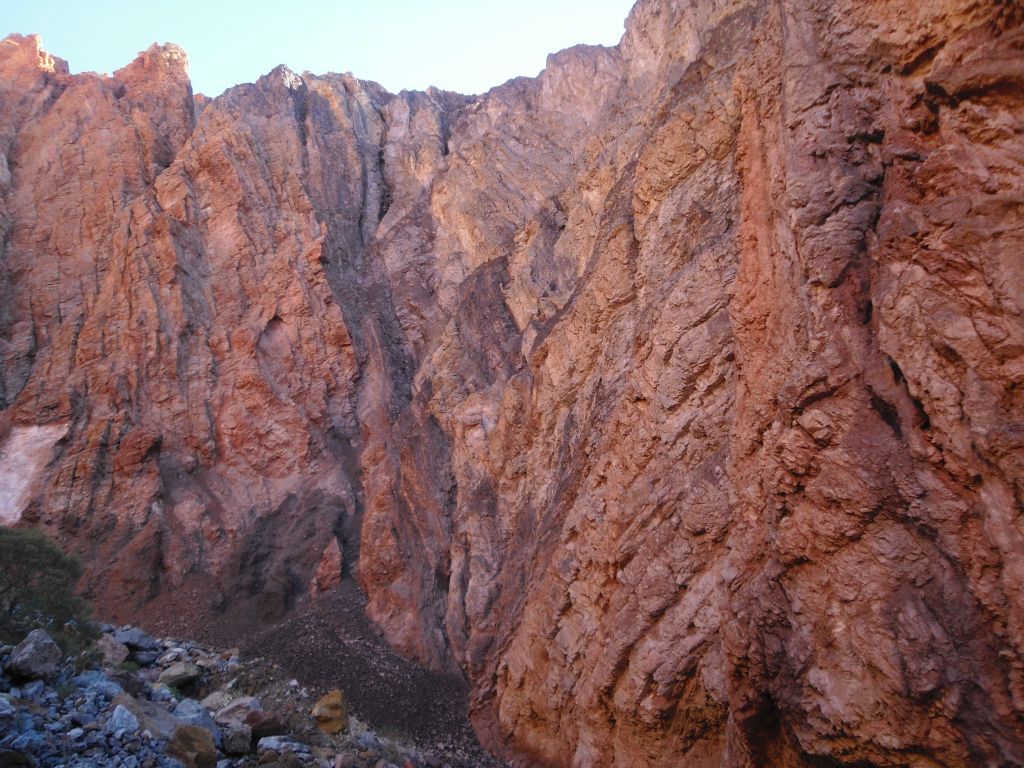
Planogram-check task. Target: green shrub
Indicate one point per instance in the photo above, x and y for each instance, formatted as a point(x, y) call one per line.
point(37, 590)
point(176, 693)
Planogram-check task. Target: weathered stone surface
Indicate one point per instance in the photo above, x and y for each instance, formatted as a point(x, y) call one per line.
point(179, 673)
point(98, 683)
point(271, 748)
point(151, 717)
point(215, 700)
point(35, 657)
point(237, 739)
point(194, 746)
point(112, 651)
point(238, 710)
point(192, 712)
point(328, 573)
point(263, 723)
point(673, 395)
point(135, 639)
point(122, 721)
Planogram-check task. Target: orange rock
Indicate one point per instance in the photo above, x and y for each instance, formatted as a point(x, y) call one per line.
point(331, 712)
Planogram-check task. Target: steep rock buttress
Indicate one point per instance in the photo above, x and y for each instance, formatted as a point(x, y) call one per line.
point(674, 396)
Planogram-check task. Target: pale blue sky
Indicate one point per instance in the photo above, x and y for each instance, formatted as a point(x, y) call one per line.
point(460, 45)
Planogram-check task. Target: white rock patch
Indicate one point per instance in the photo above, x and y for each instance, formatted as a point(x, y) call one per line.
point(23, 456)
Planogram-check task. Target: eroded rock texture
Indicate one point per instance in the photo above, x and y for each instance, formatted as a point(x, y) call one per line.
point(676, 396)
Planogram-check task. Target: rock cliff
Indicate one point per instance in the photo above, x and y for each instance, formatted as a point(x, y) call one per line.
point(675, 396)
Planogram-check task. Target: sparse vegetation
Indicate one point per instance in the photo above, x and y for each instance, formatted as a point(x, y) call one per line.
point(176, 692)
point(37, 583)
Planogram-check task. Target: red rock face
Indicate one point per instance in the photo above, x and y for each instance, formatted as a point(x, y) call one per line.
point(674, 396)
point(328, 573)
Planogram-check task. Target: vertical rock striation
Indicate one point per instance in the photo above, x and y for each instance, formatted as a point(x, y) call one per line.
point(674, 395)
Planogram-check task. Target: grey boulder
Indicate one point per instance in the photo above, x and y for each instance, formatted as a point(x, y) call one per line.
point(122, 721)
point(179, 673)
point(35, 657)
point(137, 640)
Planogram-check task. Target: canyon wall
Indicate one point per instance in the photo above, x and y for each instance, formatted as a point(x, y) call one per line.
point(675, 396)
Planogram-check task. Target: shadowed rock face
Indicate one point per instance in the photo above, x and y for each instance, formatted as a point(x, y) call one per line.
point(675, 396)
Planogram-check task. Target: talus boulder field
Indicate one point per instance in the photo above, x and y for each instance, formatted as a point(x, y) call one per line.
point(674, 396)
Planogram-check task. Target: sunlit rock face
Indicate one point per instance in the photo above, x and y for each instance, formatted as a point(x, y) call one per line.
point(22, 460)
point(674, 396)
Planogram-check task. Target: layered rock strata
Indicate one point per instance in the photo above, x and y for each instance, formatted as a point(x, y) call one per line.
point(674, 396)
